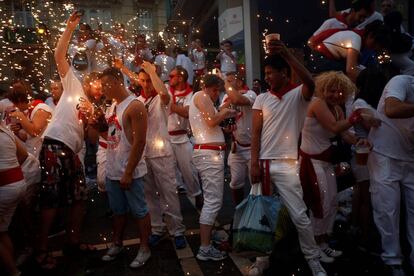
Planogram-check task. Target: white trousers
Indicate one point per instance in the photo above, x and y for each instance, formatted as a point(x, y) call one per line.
point(392, 181)
point(239, 163)
point(284, 175)
point(161, 196)
point(210, 166)
point(328, 191)
point(183, 154)
point(100, 169)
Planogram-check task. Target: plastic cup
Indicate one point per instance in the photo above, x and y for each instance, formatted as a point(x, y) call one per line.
point(361, 155)
point(272, 36)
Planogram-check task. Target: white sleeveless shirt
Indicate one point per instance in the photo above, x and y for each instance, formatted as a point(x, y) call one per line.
point(203, 133)
point(315, 138)
point(119, 147)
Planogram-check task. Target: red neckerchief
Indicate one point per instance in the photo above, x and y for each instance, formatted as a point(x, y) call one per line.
point(114, 120)
point(186, 91)
point(289, 87)
point(342, 17)
point(142, 94)
point(32, 106)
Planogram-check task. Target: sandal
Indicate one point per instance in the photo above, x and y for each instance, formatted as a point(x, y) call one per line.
point(78, 248)
point(47, 262)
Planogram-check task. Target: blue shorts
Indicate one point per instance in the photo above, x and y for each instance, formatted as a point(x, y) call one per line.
point(121, 201)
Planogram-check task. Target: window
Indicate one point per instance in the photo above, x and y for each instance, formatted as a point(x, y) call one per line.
point(144, 21)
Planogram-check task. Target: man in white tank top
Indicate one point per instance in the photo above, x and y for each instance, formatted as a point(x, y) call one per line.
point(161, 181)
point(278, 118)
point(178, 127)
point(241, 99)
point(126, 167)
point(208, 157)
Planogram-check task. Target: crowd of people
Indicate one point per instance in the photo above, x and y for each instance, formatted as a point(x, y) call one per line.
point(161, 121)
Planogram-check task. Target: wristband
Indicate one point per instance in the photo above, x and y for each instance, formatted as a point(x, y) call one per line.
point(355, 117)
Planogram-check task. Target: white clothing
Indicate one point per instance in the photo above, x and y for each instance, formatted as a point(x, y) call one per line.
point(144, 53)
point(119, 147)
point(284, 175)
point(101, 167)
point(166, 63)
point(392, 181)
point(10, 196)
point(177, 122)
point(161, 196)
point(5, 106)
point(185, 62)
point(203, 134)
point(395, 137)
point(328, 191)
point(8, 150)
point(239, 163)
point(282, 123)
point(100, 58)
point(65, 125)
point(183, 153)
point(227, 63)
point(158, 142)
point(315, 138)
point(243, 132)
point(49, 101)
point(339, 43)
point(199, 59)
point(34, 143)
point(329, 24)
point(403, 62)
point(210, 166)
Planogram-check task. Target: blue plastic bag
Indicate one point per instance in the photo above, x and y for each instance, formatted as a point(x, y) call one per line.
point(255, 221)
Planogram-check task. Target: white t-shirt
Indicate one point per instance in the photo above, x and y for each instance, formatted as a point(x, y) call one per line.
point(166, 63)
point(49, 101)
point(227, 63)
point(243, 132)
point(359, 129)
point(177, 122)
point(395, 137)
point(34, 143)
point(329, 24)
point(199, 59)
point(186, 63)
point(158, 142)
point(282, 123)
point(339, 43)
point(65, 125)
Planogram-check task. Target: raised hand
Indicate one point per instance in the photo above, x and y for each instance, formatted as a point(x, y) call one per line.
point(73, 21)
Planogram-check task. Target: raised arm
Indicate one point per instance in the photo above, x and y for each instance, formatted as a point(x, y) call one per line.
point(332, 9)
point(304, 75)
point(63, 44)
point(255, 147)
point(158, 84)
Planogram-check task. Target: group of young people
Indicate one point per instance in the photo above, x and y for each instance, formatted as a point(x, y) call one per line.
point(165, 134)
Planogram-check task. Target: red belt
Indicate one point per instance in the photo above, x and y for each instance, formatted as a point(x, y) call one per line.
point(210, 147)
point(11, 176)
point(177, 132)
point(103, 144)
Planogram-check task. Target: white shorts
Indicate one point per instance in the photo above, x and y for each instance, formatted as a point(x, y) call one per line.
point(10, 195)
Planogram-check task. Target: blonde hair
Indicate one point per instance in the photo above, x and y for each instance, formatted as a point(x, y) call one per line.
point(334, 80)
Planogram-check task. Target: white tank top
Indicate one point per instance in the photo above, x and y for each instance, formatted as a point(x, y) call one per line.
point(8, 156)
point(315, 138)
point(118, 145)
point(203, 134)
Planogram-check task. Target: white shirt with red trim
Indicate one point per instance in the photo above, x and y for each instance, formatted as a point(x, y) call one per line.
point(177, 122)
point(243, 132)
point(158, 141)
point(395, 137)
point(339, 43)
point(199, 59)
point(282, 123)
point(65, 125)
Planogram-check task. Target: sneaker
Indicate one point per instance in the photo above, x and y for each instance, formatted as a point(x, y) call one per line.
point(325, 258)
point(332, 252)
point(112, 253)
point(141, 258)
point(397, 270)
point(210, 254)
point(181, 190)
point(260, 265)
point(154, 239)
point(180, 242)
point(316, 268)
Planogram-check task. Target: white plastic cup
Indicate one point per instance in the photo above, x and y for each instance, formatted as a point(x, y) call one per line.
point(361, 155)
point(272, 36)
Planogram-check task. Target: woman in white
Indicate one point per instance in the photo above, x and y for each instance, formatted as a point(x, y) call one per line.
point(325, 119)
point(12, 188)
